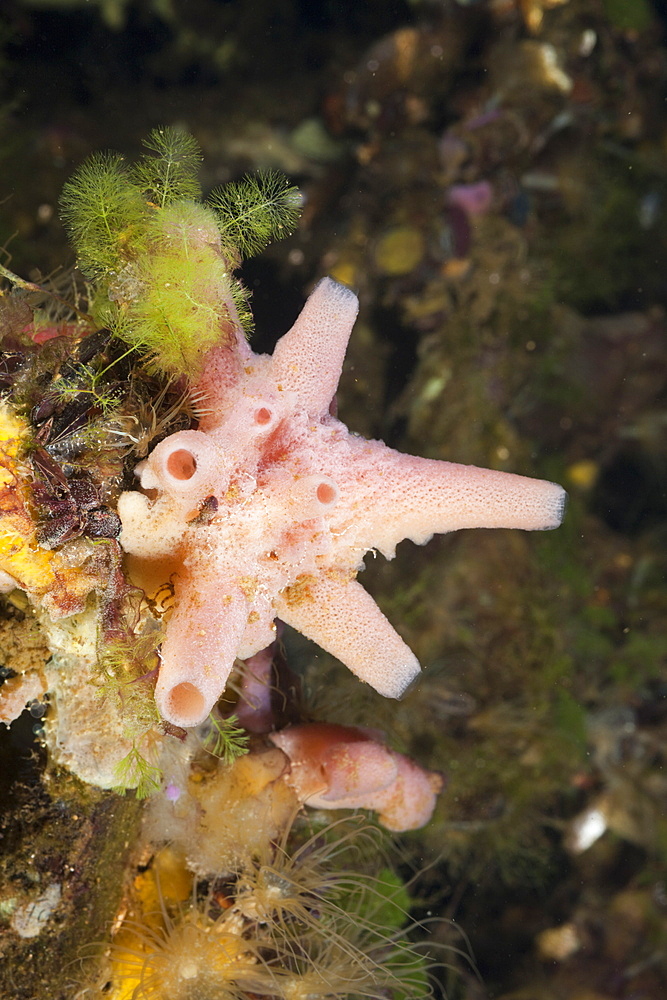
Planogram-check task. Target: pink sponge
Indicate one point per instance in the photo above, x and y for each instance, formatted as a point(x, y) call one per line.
point(343, 767)
point(269, 508)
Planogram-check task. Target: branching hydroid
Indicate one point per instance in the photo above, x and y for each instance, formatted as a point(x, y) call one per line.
point(105, 214)
point(168, 172)
point(255, 210)
point(160, 260)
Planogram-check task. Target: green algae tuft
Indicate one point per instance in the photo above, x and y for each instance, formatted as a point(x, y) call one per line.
point(160, 260)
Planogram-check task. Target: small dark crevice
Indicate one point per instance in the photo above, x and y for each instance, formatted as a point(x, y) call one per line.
point(400, 364)
point(631, 493)
point(275, 303)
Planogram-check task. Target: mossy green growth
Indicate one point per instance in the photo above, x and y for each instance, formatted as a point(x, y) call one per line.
point(160, 260)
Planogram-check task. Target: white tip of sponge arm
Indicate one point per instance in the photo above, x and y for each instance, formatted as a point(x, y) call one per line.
point(555, 504)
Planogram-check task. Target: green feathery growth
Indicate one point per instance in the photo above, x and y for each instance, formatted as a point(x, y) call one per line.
point(171, 174)
point(254, 211)
point(104, 212)
point(225, 739)
point(161, 261)
point(135, 772)
point(124, 665)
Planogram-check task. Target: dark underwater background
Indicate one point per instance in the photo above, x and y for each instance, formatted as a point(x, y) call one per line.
point(491, 179)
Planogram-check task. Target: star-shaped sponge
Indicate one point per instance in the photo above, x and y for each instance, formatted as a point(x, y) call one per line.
point(268, 509)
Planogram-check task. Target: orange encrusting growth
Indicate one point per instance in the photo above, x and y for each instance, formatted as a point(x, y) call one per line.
point(46, 575)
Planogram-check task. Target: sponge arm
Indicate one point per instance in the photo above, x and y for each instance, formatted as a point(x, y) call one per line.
point(308, 360)
point(198, 654)
point(397, 496)
point(344, 619)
